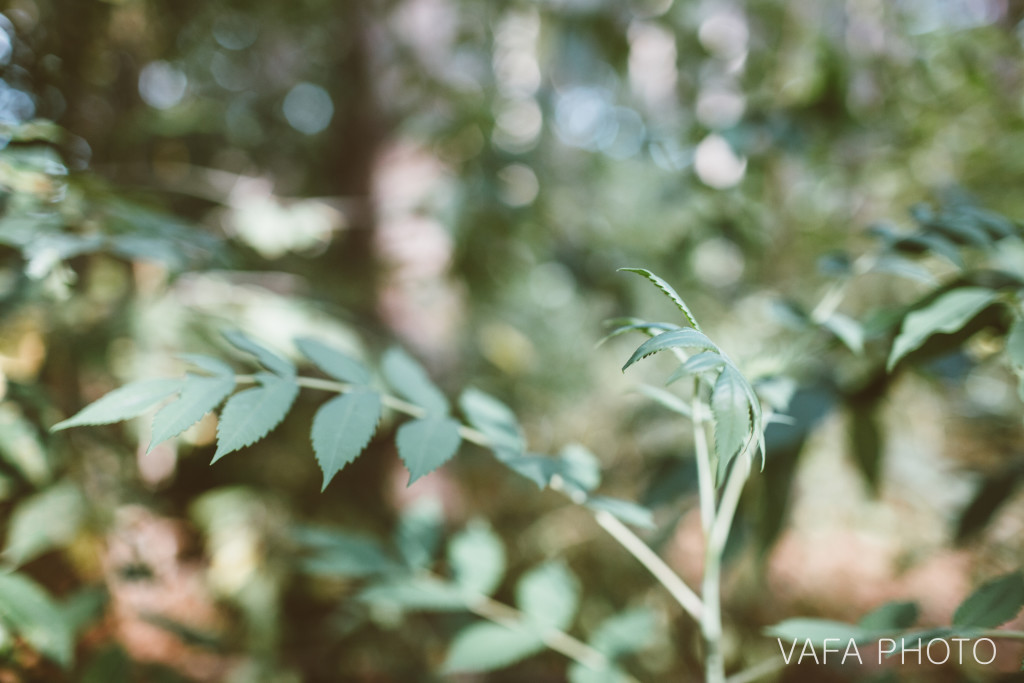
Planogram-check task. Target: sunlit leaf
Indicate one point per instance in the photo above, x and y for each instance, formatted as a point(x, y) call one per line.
point(123, 403)
point(267, 358)
point(333, 362)
point(342, 428)
point(199, 395)
point(411, 381)
point(669, 292)
point(486, 646)
point(847, 330)
point(214, 366)
point(477, 558)
point(424, 445)
point(250, 415)
point(948, 313)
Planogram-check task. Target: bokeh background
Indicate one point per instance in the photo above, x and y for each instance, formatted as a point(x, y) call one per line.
point(464, 177)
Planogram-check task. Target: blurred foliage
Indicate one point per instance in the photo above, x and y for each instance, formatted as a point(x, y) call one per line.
point(465, 177)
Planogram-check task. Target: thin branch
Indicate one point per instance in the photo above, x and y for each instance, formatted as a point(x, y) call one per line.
point(705, 480)
point(683, 594)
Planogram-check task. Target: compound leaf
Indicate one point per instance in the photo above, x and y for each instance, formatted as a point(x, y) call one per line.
point(249, 415)
point(342, 428)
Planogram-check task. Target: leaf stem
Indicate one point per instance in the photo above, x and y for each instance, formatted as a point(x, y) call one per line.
point(705, 481)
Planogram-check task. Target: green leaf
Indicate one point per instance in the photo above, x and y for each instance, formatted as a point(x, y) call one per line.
point(890, 617)
point(948, 313)
point(250, 415)
point(631, 324)
point(339, 553)
point(33, 615)
point(669, 292)
point(581, 673)
point(993, 604)
point(21, 447)
point(424, 445)
point(578, 468)
point(486, 646)
point(415, 593)
point(342, 428)
point(730, 405)
point(625, 633)
point(267, 358)
point(549, 596)
point(817, 630)
point(333, 362)
point(199, 395)
point(411, 381)
point(49, 519)
point(685, 338)
point(213, 366)
point(1015, 343)
point(847, 330)
point(477, 558)
point(628, 512)
point(123, 403)
point(495, 420)
point(418, 533)
point(897, 265)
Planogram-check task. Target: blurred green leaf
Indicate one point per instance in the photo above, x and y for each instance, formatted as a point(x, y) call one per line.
point(411, 381)
point(627, 511)
point(847, 330)
point(199, 395)
point(415, 593)
point(424, 445)
point(993, 604)
point(33, 615)
point(332, 552)
point(20, 446)
point(816, 631)
point(668, 291)
point(890, 617)
point(549, 595)
point(948, 313)
point(40, 523)
point(333, 362)
point(418, 533)
point(495, 420)
point(267, 358)
point(487, 646)
point(477, 558)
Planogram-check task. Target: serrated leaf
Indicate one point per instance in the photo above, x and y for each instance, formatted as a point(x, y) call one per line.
point(705, 361)
point(424, 445)
point(669, 292)
point(477, 558)
point(730, 405)
point(847, 330)
point(631, 324)
point(410, 380)
point(342, 428)
point(486, 647)
point(213, 366)
point(33, 615)
point(549, 595)
point(414, 593)
point(418, 533)
point(993, 604)
point(42, 522)
point(250, 415)
point(495, 420)
point(1015, 343)
point(267, 358)
point(890, 617)
point(199, 395)
point(948, 313)
point(677, 339)
point(333, 362)
point(626, 511)
point(123, 403)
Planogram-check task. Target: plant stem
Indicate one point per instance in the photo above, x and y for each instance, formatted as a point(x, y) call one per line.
point(757, 671)
point(705, 480)
point(683, 594)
